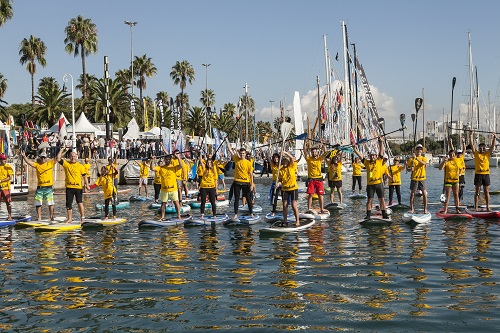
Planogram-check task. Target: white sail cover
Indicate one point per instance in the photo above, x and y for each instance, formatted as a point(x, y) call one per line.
point(133, 130)
point(299, 129)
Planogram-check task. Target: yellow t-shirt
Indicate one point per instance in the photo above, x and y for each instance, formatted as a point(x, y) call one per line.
point(418, 173)
point(220, 167)
point(208, 176)
point(335, 171)
point(374, 171)
point(111, 170)
point(452, 170)
point(356, 169)
point(168, 177)
point(106, 181)
point(5, 171)
point(87, 169)
point(395, 172)
point(314, 167)
point(288, 177)
point(74, 173)
point(178, 173)
point(462, 169)
point(185, 170)
point(274, 169)
point(144, 170)
point(157, 179)
point(242, 169)
point(44, 172)
point(482, 161)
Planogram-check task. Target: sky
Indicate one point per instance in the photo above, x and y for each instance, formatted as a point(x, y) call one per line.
point(275, 46)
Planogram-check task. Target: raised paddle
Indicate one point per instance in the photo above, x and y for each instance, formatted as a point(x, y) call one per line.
point(402, 119)
point(286, 129)
point(453, 82)
point(418, 104)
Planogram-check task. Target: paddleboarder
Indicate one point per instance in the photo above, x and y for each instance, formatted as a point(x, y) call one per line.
point(482, 170)
point(356, 174)
point(314, 159)
point(6, 173)
point(287, 179)
point(417, 164)
point(156, 179)
point(44, 174)
point(375, 170)
point(168, 179)
point(335, 176)
point(208, 184)
point(452, 166)
point(144, 166)
point(273, 191)
point(106, 180)
point(243, 179)
point(394, 171)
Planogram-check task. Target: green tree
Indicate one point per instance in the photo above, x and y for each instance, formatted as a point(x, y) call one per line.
point(32, 50)
point(47, 82)
point(81, 39)
point(90, 79)
point(6, 11)
point(207, 98)
point(50, 101)
point(195, 121)
point(3, 86)
point(123, 75)
point(182, 73)
point(229, 108)
point(143, 67)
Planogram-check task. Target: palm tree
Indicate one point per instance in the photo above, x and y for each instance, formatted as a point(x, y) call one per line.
point(89, 78)
point(47, 82)
point(195, 121)
point(182, 73)
point(229, 108)
point(207, 97)
point(32, 50)
point(3, 85)
point(51, 101)
point(225, 123)
point(143, 66)
point(6, 11)
point(123, 75)
point(81, 39)
point(118, 100)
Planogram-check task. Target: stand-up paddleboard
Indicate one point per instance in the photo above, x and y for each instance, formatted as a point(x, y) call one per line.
point(456, 216)
point(416, 217)
point(36, 223)
point(377, 211)
point(278, 216)
point(311, 213)
point(278, 227)
point(484, 214)
point(195, 221)
point(335, 206)
point(243, 220)
point(222, 203)
point(255, 209)
point(98, 222)
point(165, 223)
point(398, 207)
point(170, 209)
point(357, 196)
point(127, 190)
point(197, 204)
point(481, 206)
point(4, 222)
point(495, 192)
point(120, 205)
point(376, 220)
point(136, 198)
point(59, 226)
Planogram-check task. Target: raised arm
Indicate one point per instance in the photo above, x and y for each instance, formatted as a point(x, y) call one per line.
point(356, 151)
point(381, 148)
point(472, 143)
point(61, 152)
point(23, 154)
point(290, 156)
point(493, 142)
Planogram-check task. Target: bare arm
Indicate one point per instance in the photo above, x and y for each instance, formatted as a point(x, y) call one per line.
point(356, 151)
point(471, 143)
point(59, 155)
point(493, 142)
point(23, 154)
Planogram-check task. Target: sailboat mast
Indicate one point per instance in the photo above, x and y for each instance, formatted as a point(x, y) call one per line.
point(477, 103)
point(471, 86)
point(328, 88)
point(346, 84)
point(356, 105)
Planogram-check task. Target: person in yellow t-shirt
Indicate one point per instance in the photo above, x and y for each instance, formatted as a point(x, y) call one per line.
point(314, 160)
point(113, 169)
point(169, 184)
point(335, 176)
point(375, 170)
point(208, 184)
point(482, 170)
point(144, 166)
point(274, 162)
point(86, 165)
point(243, 179)
point(221, 165)
point(6, 173)
point(394, 175)
point(287, 179)
point(106, 180)
point(74, 173)
point(452, 166)
point(417, 164)
point(356, 174)
point(185, 175)
point(44, 174)
point(156, 179)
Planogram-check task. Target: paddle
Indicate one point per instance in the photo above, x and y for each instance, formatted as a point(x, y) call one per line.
point(220, 145)
point(453, 81)
point(381, 122)
point(402, 119)
point(418, 104)
point(286, 129)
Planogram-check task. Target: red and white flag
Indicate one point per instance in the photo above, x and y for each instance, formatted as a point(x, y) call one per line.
point(62, 127)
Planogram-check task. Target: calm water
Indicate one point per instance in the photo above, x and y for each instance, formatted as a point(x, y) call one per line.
point(442, 276)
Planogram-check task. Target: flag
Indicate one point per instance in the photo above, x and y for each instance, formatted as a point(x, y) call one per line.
point(351, 136)
point(132, 107)
point(62, 127)
point(146, 123)
point(337, 57)
point(192, 171)
point(162, 116)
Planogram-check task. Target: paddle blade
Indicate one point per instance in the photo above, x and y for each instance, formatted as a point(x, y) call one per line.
point(413, 117)
point(453, 82)
point(286, 129)
point(418, 104)
point(302, 136)
point(402, 119)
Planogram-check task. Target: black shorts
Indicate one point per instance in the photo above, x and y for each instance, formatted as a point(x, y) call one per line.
point(293, 195)
point(372, 189)
point(420, 185)
point(71, 193)
point(461, 180)
point(482, 180)
point(334, 183)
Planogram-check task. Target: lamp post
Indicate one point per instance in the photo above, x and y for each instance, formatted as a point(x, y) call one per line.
point(131, 24)
point(207, 104)
point(65, 79)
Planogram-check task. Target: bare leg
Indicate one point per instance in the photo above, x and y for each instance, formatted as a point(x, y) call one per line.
point(70, 215)
point(476, 197)
point(321, 203)
point(447, 193)
point(412, 199)
point(424, 197)
point(486, 190)
point(81, 209)
point(39, 212)
point(309, 201)
point(51, 212)
point(339, 190)
point(177, 209)
point(295, 208)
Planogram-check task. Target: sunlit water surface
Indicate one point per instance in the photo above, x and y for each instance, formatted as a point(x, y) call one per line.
point(339, 275)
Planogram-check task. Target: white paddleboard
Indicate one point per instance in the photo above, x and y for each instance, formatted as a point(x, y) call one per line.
point(335, 206)
point(289, 227)
point(206, 220)
point(243, 220)
point(417, 217)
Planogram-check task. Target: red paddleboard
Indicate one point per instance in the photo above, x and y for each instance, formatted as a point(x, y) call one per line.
point(483, 214)
point(462, 216)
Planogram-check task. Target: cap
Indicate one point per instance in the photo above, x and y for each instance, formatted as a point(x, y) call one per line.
point(3, 157)
point(373, 152)
point(459, 151)
point(43, 155)
point(419, 146)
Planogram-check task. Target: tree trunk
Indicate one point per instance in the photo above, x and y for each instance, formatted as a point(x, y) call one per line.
point(33, 91)
point(85, 92)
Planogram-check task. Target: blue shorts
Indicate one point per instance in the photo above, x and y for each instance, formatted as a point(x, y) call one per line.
point(221, 176)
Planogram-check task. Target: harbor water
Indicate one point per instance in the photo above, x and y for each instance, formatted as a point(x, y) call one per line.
point(442, 276)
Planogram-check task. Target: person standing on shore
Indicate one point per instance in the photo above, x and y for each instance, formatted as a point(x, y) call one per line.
point(44, 174)
point(482, 170)
point(74, 172)
point(417, 165)
point(6, 173)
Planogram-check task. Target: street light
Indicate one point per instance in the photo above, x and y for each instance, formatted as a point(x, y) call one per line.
point(65, 79)
point(206, 95)
point(131, 24)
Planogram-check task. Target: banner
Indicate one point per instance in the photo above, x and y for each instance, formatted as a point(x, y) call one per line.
point(166, 139)
point(215, 133)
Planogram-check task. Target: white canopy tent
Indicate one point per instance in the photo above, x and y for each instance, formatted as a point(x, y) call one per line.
point(83, 125)
point(55, 127)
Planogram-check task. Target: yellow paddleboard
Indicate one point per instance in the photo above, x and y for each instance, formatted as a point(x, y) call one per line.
point(58, 226)
point(98, 222)
point(31, 224)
